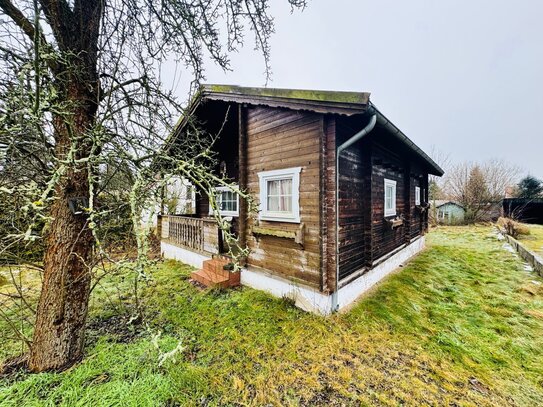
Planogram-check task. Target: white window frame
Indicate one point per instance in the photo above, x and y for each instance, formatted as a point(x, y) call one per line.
point(227, 213)
point(390, 211)
point(417, 196)
point(287, 173)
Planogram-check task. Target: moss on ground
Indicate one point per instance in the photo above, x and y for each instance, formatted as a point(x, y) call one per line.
point(459, 325)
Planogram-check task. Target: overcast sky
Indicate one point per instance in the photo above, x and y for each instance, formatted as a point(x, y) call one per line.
point(465, 76)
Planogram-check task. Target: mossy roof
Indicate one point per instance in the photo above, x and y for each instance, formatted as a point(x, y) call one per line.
point(321, 101)
point(359, 98)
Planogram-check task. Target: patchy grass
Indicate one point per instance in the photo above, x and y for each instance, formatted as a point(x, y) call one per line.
point(459, 325)
point(533, 241)
point(14, 309)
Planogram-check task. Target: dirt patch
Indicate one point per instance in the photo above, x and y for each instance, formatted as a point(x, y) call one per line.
point(13, 368)
point(122, 328)
point(534, 313)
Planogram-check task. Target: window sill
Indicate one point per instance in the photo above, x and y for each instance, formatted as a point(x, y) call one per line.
point(227, 214)
point(271, 218)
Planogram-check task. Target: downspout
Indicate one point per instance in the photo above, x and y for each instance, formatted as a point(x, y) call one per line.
point(358, 136)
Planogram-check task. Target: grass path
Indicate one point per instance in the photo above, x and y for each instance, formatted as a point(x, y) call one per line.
point(460, 325)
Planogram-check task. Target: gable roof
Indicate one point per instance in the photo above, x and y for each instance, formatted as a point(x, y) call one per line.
point(319, 101)
point(439, 203)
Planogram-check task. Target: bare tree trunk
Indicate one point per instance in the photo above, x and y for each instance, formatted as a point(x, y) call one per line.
point(58, 340)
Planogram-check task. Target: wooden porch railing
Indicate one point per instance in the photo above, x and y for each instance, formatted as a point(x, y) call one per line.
point(197, 234)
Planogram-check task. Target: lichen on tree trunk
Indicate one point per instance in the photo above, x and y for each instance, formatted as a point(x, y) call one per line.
point(62, 311)
point(58, 340)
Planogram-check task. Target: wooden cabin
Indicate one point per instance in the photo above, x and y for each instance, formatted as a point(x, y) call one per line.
point(342, 192)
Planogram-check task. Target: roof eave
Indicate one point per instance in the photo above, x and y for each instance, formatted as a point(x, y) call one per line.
point(344, 103)
point(382, 120)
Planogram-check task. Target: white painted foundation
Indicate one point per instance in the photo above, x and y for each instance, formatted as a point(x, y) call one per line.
point(170, 251)
point(349, 293)
point(305, 297)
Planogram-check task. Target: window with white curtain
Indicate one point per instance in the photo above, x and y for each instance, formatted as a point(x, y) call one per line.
point(280, 195)
point(390, 197)
point(417, 195)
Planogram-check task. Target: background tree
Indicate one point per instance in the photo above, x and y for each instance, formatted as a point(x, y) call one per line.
point(499, 175)
point(476, 195)
point(530, 187)
point(479, 187)
point(81, 90)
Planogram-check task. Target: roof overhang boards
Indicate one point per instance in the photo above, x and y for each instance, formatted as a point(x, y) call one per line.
point(344, 103)
point(382, 121)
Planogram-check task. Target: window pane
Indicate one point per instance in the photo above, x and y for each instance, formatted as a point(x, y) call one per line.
point(273, 188)
point(227, 201)
point(280, 195)
point(273, 203)
point(388, 197)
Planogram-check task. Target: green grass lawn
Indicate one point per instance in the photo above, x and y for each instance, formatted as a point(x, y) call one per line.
point(460, 325)
point(533, 241)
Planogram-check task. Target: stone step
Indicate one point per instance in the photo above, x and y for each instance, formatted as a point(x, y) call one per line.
point(216, 266)
point(210, 279)
point(214, 274)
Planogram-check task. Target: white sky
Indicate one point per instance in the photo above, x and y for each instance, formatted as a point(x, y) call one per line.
point(465, 76)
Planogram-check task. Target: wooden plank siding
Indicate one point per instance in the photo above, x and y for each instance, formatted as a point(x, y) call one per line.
point(416, 225)
point(329, 261)
point(354, 202)
point(365, 236)
point(385, 165)
point(279, 139)
point(401, 169)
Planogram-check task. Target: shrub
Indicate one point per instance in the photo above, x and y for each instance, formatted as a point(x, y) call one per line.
point(513, 228)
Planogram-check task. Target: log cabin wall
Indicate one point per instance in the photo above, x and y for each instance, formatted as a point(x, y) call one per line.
point(387, 165)
point(329, 206)
point(354, 201)
point(279, 139)
point(392, 160)
point(416, 226)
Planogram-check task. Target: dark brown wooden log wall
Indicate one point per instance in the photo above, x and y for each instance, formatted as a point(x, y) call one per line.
point(365, 236)
point(278, 139)
point(386, 165)
point(416, 224)
point(354, 203)
point(406, 171)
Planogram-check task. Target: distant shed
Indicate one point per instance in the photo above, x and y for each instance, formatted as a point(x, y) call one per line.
point(449, 212)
